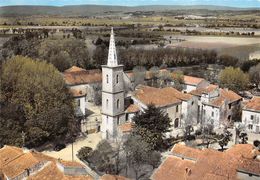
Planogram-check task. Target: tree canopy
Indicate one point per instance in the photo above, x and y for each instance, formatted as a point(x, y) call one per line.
point(39, 89)
point(152, 125)
point(234, 79)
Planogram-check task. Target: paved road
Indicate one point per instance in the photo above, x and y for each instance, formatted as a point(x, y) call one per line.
point(66, 154)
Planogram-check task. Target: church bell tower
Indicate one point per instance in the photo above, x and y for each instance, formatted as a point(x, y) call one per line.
point(112, 93)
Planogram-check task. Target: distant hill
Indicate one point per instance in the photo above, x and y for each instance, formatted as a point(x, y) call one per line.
point(92, 10)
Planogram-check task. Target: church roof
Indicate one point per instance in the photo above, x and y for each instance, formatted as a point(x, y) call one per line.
point(156, 96)
point(112, 56)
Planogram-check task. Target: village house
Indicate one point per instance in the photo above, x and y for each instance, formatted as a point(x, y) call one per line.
point(193, 83)
point(179, 106)
point(239, 162)
point(216, 106)
point(251, 115)
point(88, 81)
point(17, 163)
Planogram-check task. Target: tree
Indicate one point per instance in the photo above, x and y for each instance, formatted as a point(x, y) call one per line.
point(234, 79)
point(154, 71)
point(254, 75)
point(227, 60)
point(63, 53)
point(137, 153)
point(243, 138)
point(39, 89)
point(139, 73)
point(84, 153)
point(155, 123)
point(224, 139)
point(102, 157)
point(154, 159)
point(12, 119)
point(178, 79)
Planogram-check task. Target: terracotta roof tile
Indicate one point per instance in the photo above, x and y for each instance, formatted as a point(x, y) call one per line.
point(132, 108)
point(192, 80)
point(158, 97)
point(253, 104)
point(126, 127)
point(227, 96)
point(207, 164)
point(250, 166)
point(8, 153)
point(173, 168)
point(19, 164)
point(70, 164)
point(76, 76)
point(200, 91)
point(186, 151)
point(18, 161)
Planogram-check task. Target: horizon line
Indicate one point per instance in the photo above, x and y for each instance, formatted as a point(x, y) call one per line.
point(210, 5)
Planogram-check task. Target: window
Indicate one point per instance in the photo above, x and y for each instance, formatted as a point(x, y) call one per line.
point(229, 106)
point(107, 103)
point(85, 99)
point(250, 126)
point(118, 120)
point(107, 79)
point(204, 111)
point(117, 78)
point(176, 123)
point(252, 117)
point(117, 104)
point(212, 114)
point(229, 117)
point(177, 108)
point(192, 103)
point(78, 102)
point(107, 119)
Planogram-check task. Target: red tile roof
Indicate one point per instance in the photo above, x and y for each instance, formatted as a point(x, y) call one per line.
point(253, 104)
point(126, 127)
point(14, 162)
point(206, 90)
point(208, 164)
point(76, 76)
point(158, 97)
point(227, 96)
point(132, 108)
point(191, 80)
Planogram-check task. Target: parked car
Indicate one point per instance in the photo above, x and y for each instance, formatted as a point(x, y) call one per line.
point(59, 147)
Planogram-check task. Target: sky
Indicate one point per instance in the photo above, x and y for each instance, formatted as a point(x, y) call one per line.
point(232, 3)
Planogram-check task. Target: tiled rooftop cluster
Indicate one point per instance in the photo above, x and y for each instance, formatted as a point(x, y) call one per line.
point(190, 163)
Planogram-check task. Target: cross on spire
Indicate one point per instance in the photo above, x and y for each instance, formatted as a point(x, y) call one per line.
point(112, 57)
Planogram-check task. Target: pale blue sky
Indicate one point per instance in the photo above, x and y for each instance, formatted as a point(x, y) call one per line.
point(234, 3)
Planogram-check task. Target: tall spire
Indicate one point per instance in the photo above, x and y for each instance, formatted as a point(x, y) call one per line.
point(112, 57)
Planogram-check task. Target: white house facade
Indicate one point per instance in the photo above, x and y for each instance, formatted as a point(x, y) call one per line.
point(251, 115)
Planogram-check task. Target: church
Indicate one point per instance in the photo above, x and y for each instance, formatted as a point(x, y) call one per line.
point(200, 103)
point(117, 117)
